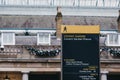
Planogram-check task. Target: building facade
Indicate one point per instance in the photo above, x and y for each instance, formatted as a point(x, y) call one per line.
point(30, 47)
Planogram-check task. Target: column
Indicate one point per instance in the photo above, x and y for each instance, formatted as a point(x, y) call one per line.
point(104, 75)
point(25, 75)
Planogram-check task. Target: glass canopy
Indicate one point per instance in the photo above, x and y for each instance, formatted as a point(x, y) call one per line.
point(63, 3)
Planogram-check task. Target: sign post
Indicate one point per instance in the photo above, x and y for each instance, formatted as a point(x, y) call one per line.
point(80, 52)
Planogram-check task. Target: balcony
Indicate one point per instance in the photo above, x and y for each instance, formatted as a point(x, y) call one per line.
point(28, 52)
point(26, 47)
point(109, 53)
point(35, 52)
point(11, 52)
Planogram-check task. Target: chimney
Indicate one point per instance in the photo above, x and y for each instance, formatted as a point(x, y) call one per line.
point(58, 20)
point(118, 21)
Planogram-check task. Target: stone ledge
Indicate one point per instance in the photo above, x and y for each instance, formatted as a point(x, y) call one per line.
point(110, 61)
point(30, 60)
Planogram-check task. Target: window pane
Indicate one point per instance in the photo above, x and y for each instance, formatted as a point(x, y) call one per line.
point(41, 38)
point(113, 39)
point(46, 38)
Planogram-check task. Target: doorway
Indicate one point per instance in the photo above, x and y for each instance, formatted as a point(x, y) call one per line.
point(113, 77)
point(44, 76)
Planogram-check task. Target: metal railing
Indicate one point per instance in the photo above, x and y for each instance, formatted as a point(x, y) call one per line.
point(63, 3)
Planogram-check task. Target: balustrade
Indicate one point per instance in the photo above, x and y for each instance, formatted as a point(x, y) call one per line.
point(18, 51)
point(109, 52)
point(10, 51)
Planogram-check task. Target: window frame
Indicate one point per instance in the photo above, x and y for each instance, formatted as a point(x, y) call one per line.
point(9, 43)
point(113, 39)
point(44, 42)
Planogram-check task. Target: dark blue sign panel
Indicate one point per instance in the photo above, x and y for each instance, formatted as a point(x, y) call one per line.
point(80, 56)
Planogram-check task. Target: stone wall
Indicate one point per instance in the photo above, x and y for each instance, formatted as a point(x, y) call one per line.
point(11, 75)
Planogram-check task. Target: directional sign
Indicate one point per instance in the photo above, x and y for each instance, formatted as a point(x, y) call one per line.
point(80, 52)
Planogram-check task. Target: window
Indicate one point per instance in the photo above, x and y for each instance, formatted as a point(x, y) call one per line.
point(7, 38)
point(112, 39)
point(43, 38)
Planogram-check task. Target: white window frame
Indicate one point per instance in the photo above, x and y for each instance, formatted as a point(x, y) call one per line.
point(109, 41)
point(9, 43)
point(43, 42)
